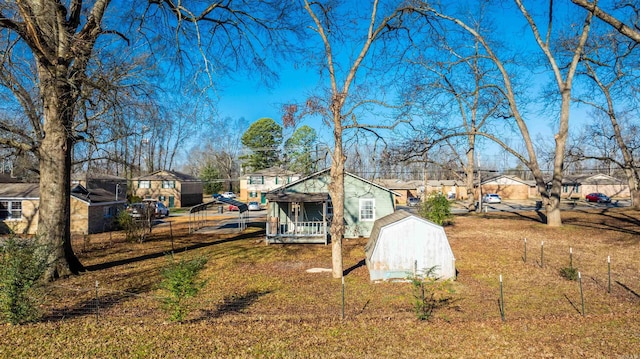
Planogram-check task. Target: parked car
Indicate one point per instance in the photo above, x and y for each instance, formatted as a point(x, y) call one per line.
point(413, 201)
point(216, 195)
point(491, 198)
point(233, 207)
point(137, 210)
point(254, 206)
point(229, 195)
point(598, 197)
point(161, 210)
point(158, 208)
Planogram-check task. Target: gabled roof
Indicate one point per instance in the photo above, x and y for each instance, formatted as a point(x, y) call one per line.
point(32, 191)
point(394, 183)
point(319, 173)
point(508, 178)
point(102, 177)
point(273, 172)
point(92, 196)
point(20, 190)
point(598, 178)
point(165, 175)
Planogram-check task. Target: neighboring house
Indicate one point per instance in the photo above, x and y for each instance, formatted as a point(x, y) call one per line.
point(402, 244)
point(452, 189)
point(301, 211)
point(509, 187)
point(19, 207)
point(172, 188)
point(254, 186)
point(405, 189)
point(92, 211)
point(113, 184)
point(577, 187)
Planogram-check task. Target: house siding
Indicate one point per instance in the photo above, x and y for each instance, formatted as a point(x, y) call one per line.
point(27, 224)
point(354, 189)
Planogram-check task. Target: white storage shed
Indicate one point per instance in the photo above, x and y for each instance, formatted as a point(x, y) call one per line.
point(402, 242)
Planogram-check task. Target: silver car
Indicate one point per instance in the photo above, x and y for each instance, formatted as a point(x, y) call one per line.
point(254, 206)
point(491, 198)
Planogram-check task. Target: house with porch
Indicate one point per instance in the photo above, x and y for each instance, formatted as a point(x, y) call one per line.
point(255, 186)
point(301, 211)
point(174, 189)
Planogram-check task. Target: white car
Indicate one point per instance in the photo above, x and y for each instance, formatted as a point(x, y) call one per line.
point(254, 206)
point(491, 198)
point(229, 195)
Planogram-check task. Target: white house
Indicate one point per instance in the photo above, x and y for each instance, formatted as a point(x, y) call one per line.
point(402, 243)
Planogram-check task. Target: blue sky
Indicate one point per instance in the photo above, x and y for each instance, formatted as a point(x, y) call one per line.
point(244, 97)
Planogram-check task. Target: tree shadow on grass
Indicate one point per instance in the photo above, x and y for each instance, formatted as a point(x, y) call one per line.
point(232, 304)
point(145, 257)
point(93, 306)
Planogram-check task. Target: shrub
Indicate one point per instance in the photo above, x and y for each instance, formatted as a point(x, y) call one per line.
point(135, 230)
point(429, 293)
point(22, 264)
point(180, 284)
point(570, 273)
point(437, 209)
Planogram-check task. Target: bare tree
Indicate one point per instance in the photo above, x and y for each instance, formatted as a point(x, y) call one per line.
point(563, 74)
point(629, 31)
point(611, 67)
point(348, 98)
point(54, 43)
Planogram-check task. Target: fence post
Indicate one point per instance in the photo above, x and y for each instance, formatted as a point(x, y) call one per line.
point(609, 274)
point(97, 303)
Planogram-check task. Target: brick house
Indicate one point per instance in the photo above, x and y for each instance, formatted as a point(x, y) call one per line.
point(92, 211)
point(254, 186)
point(172, 188)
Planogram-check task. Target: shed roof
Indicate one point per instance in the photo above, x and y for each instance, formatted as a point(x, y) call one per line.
point(383, 222)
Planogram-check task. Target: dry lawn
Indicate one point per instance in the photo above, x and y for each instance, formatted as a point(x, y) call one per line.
point(260, 302)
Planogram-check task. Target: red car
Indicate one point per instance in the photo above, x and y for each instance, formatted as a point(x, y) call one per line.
point(597, 197)
point(233, 208)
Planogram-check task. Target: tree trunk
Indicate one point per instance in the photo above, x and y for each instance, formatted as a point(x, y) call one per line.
point(336, 191)
point(54, 223)
point(635, 198)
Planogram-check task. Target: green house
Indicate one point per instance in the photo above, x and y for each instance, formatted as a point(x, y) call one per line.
point(301, 211)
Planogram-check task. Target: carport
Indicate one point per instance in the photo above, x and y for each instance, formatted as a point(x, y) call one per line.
point(198, 214)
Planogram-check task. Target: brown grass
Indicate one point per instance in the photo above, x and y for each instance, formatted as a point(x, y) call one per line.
point(260, 302)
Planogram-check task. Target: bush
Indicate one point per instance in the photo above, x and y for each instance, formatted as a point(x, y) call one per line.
point(22, 264)
point(135, 230)
point(570, 273)
point(429, 293)
point(437, 209)
point(179, 281)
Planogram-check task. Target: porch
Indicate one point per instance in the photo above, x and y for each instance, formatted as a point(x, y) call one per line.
point(297, 218)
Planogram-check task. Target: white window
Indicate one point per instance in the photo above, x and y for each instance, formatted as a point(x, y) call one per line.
point(256, 180)
point(144, 184)
point(367, 209)
point(168, 184)
point(10, 210)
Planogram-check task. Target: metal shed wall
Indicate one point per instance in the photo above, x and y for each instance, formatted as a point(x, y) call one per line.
point(405, 241)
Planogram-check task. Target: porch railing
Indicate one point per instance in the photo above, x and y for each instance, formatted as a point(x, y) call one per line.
point(297, 229)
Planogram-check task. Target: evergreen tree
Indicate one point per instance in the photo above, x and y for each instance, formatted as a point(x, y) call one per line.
point(263, 138)
point(298, 149)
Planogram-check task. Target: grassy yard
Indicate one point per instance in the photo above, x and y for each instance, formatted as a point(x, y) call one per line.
point(261, 302)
